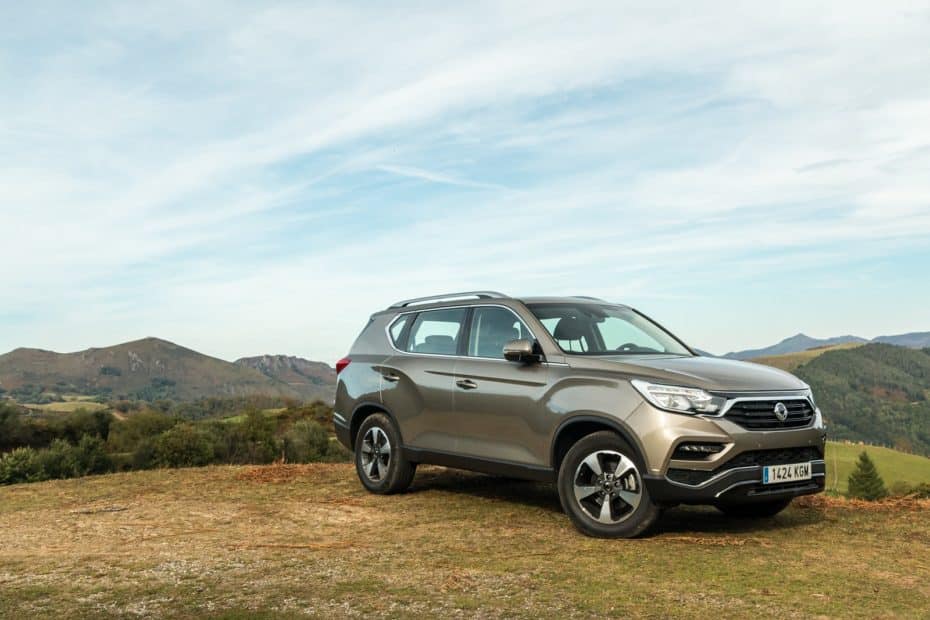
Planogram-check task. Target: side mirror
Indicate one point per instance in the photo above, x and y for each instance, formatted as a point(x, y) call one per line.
point(521, 351)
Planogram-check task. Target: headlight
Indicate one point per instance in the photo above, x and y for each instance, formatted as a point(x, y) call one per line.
point(679, 399)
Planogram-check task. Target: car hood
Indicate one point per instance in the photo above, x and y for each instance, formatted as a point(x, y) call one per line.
point(709, 373)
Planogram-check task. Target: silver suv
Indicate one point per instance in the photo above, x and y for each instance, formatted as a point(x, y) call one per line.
point(592, 395)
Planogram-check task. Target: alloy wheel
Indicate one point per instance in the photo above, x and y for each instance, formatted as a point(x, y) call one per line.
point(376, 454)
point(607, 486)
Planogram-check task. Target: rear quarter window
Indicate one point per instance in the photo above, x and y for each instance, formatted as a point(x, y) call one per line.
point(397, 329)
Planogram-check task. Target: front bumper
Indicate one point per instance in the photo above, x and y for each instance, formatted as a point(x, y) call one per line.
point(735, 473)
point(741, 484)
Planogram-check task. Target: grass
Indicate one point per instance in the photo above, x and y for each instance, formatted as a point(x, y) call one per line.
point(307, 541)
point(69, 406)
point(893, 466)
point(791, 361)
point(240, 418)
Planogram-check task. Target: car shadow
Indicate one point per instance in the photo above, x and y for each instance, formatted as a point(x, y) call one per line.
point(537, 494)
point(677, 520)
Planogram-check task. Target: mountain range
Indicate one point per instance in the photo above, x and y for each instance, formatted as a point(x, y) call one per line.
point(803, 342)
point(152, 368)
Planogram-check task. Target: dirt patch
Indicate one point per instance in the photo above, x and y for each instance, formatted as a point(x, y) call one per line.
point(279, 472)
point(823, 502)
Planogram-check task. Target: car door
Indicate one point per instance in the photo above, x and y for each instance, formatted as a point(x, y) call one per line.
point(499, 405)
point(417, 381)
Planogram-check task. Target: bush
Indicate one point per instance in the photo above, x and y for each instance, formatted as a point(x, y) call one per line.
point(143, 457)
point(865, 482)
point(182, 446)
point(253, 440)
point(126, 435)
point(20, 465)
point(90, 457)
point(306, 442)
point(58, 460)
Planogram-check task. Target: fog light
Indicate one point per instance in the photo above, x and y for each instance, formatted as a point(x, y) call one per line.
point(696, 451)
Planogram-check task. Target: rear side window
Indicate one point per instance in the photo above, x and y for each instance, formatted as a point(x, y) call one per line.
point(436, 332)
point(397, 329)
point(491, 329)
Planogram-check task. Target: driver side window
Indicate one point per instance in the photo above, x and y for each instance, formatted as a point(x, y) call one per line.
point(491, 329)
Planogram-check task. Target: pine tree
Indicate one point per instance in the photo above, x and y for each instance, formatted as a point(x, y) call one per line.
point(864, 481)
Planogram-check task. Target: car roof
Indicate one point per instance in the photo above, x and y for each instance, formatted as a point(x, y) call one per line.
point(580, 299)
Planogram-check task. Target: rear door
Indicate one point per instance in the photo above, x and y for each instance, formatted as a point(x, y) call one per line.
point(500, 406)
point(417, 381)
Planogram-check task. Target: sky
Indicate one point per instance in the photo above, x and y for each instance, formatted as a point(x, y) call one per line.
point(255, 177)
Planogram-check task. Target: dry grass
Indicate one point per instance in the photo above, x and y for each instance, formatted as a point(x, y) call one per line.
point(791, 361)
point(305, 540)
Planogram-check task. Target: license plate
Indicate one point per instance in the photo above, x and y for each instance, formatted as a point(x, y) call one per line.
point(777, 474)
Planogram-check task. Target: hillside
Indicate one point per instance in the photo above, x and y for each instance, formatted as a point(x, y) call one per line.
point(308, 541)
point(914, 340)
point(794, 344)
point(790, 361)
point(802, 342)
point(893, 466)
point(300, 374)
point(876, 393)
point(145, 369)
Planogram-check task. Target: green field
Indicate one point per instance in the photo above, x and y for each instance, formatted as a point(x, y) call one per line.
point(307, 541)
point(892, 465)
point(68, 406)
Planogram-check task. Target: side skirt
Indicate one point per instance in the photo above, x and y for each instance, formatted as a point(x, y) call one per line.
point(486, 466)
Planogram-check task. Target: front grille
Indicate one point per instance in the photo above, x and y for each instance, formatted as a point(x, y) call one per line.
point(783, 456)
point(759, 415)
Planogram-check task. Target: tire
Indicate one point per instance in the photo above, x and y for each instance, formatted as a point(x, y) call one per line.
point(379, 459)
point(630, 511)
point(755, 510)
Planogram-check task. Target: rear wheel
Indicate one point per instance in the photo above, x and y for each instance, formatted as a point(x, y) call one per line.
point(601, 488)
point(756, 510)
point(379, 459)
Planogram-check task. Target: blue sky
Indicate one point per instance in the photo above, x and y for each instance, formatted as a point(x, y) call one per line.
point(247, 178)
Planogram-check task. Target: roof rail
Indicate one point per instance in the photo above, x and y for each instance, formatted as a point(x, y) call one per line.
point(589, 297)
point(423, 300)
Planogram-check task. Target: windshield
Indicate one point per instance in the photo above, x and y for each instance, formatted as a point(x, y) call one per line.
point(594, 329)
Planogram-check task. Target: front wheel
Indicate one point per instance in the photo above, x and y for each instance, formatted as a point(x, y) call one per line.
point(755, 510)
point(379, 459)
point(601, 488)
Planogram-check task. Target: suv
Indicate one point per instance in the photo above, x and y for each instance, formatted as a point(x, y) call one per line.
point(593, 396)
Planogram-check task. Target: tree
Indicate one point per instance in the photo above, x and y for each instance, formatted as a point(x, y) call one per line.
point(865, 482)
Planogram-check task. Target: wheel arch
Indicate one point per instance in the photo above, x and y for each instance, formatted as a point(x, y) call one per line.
point(571, 430)
point(363, 411)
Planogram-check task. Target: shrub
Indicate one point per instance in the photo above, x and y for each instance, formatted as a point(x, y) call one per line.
point(143, 457)
point(19, 465)
point(182, 446)
point(865, 482)
point(125, 435)
point(921, 491)
point(253, 440)
point(58, 460)
point(90, 457)
point(306, 442)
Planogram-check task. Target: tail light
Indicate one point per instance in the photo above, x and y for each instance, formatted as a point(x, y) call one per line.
point(341, 364)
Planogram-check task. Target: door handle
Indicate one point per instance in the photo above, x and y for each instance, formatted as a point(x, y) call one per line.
point(391, 378)
point(467, 384)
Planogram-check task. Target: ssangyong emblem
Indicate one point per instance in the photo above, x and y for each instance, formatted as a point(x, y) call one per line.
point(781, 412)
